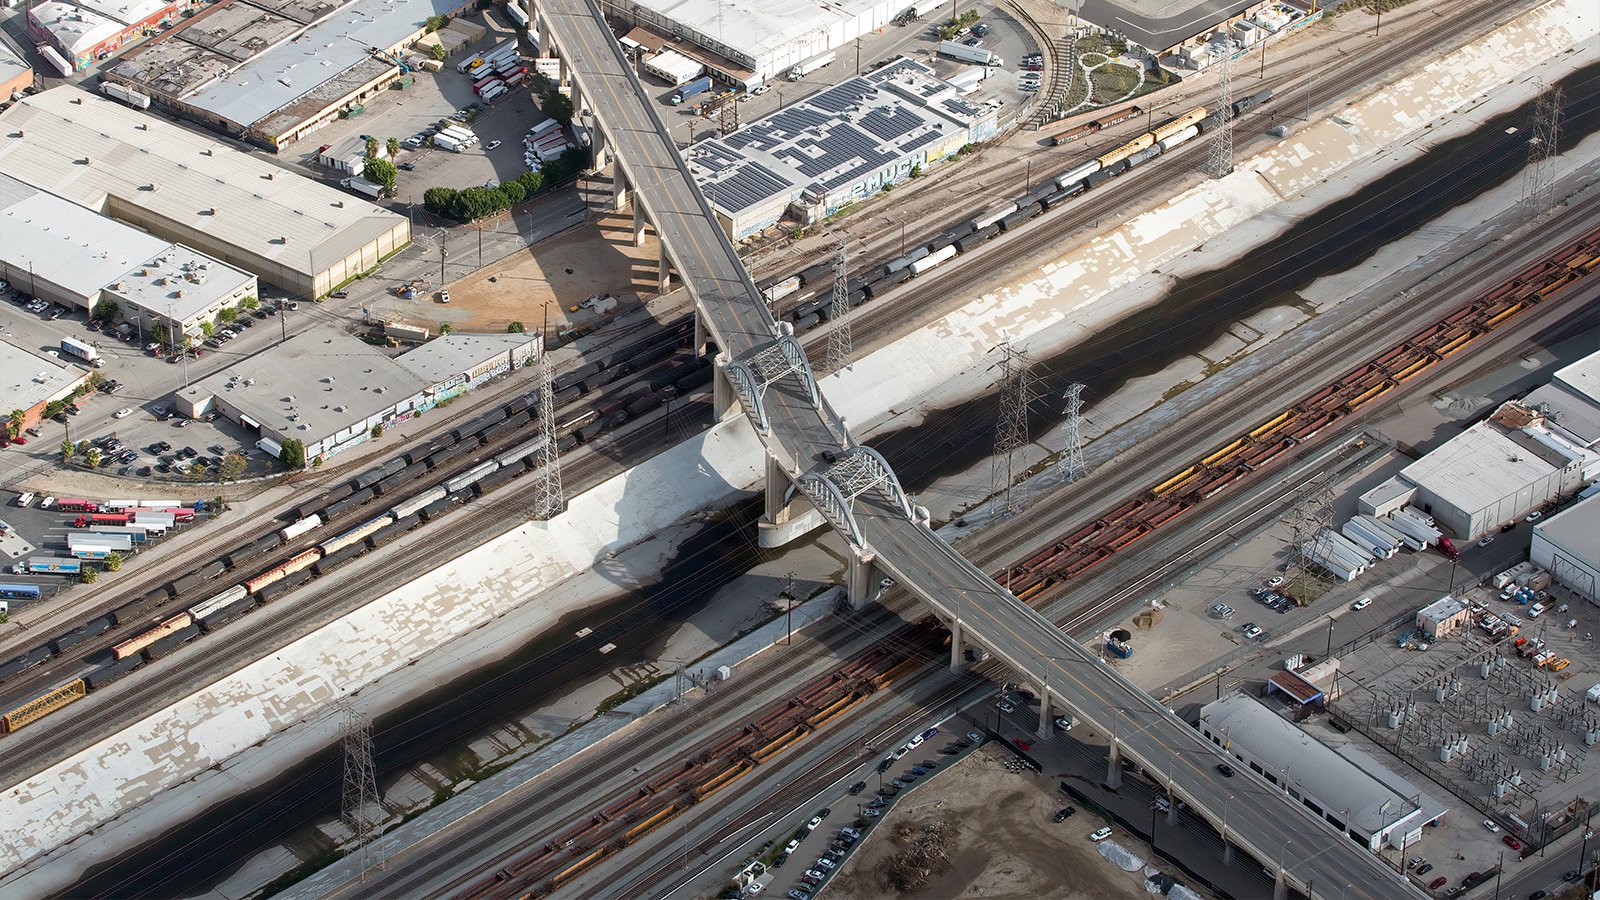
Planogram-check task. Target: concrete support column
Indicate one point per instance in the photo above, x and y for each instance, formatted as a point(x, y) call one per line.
point(777, 511)
point(957, 639)
point(1227, 851)
point(723, 398)
point(1280, 887)
point(619, 190)
point(1044, 714)
point(1114, 766)
point(861, 577)
point(664, 283)
point(1172, 807)
point(545, 50)
point(638, 224)
point(599, 151)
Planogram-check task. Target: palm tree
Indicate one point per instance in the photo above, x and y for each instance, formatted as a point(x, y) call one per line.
point(393, 147)
point(68, 449)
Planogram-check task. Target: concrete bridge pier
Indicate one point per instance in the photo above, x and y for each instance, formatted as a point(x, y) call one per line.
point(638, 224)
point(1227, 851)
point(664, 284)
point(619, 198)
point(1280, 887)
point(958, 659)
point(1172, 806)
point(724, 401)
point(1114, 766)
point(788, 515)
point(1045, 724)
point(600, 152)
point(861, 580)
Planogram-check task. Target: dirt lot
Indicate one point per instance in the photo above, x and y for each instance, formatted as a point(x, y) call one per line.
point(1005, 844)
point(596, 257)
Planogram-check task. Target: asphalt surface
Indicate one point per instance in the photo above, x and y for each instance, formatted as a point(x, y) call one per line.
point(801, 429)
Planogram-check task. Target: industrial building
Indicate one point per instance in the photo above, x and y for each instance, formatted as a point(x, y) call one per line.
point(1443, 617)
point(80, 32)
point(1348, 789)
point(328, 389)
point(16, 75)
point(1493, 473)
point(61, 252)
point(1570, 403)
point(30, 382)
point(747, 43)
point(837, 147)
point(1567, 545)
point(274, 71)
point(186, 188)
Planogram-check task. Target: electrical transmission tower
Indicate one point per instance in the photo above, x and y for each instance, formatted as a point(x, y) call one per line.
point(1016, 393)
point(359, 804)
point(549, 500)
point(1222, 138)
point(1538, 181)
point(1313, 512)
point(1071, 462)
point(841, 349)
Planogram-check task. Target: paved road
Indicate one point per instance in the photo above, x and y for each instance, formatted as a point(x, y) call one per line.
point(1261, 820)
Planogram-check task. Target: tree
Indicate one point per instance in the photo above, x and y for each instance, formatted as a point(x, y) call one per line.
point(372, 147)
point(205, 328)
point(477, 202)
point(557, 106)
point(92, 458)
point(531, 182)
point(916, 170)
point(227, 315)
point(435, 23)
point(14, 422)
point(68, 451)
point(106, 310)
point(438, 52)
point(382, 173)
point(516, 328)
point(393, 146)
point(293, 454)
point(90, 575)
point(83, 446)
point(512, 191)
point(446, 328)
point(377, 431)
point(113, 561)
point(250, 303)
point(439, 200)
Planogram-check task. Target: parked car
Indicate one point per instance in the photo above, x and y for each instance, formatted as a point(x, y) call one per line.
point(1424, 869)
point(1252, 631)
point(1437, 883)
point(1064, 814)
point(1492, 826)
point(858, 787)
point(1511, 842)
point(1100, 835)
point(1363, 603)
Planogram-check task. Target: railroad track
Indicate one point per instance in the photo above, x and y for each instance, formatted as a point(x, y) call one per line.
point(550, 866)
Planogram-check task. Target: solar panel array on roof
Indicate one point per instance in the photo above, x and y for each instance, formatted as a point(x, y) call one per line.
point(748, 185)
point(889, 124)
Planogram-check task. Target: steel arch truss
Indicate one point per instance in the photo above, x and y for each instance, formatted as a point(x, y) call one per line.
point(751, 376)
point(834, 490)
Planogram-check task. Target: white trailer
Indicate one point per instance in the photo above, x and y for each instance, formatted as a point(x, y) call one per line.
point(1363, 537)
point(363, 187)
point(1425, 534)
point(1329, 562)
point(811, 65)
point(1379, 527)
point(958, 50)
point(493, 92)
point(673, 67)
point(1361, 552)
point(1329, 546)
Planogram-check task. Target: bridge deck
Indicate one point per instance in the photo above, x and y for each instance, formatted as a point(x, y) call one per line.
point(1258, 817)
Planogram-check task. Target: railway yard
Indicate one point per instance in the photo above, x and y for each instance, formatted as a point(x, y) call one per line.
point(689, 794)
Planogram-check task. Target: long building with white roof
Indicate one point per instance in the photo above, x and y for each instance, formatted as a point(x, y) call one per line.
point(274, 71)
point(187, 188)
point(83, 31)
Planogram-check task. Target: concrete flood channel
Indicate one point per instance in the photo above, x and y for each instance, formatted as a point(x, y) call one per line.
point(437, 728)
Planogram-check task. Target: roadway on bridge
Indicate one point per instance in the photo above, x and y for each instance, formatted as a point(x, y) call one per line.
point(1265, 823)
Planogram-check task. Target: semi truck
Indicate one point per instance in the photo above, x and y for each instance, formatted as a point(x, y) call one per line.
point(958, 50)
point(82, 350)
point(692, 88)
point(446, 142)
point(363, 186)
point(45, 565)
point(811, 65)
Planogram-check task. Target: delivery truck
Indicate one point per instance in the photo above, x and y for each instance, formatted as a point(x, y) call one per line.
point(694, 87)
point(363, 187)
point(82, 350)
point(811, 65)
point(958, 50)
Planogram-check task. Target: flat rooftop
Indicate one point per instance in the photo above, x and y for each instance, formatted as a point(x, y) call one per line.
point(759, 28)
point(11, 62)
point(1157, 24)
point(28, 379)
point(452, 354)
point(312, 385)
point(235, 29)
point(78, 30)
point(1572, 411)
point(1576, 529)
point(169, 67)
point(833, 138)
point(1581, 377)
point(324, 53)
point(117, 156)
point(128, 12)
point(65, 244)
point(1477, 468)
point(180, 283)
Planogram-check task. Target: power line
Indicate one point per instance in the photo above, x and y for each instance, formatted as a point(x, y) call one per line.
point(549, 499)
point(1222, 136)
point(1071, 463)
point(841, 348)
point(1016, 392)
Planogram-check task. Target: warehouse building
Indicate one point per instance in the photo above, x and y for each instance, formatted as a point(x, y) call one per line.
point(274, 71)
point(64, 253)
point(1495, 472)
point(761, 39)
point(1567, 545)
point(30, 382)
point(1570, 403)
point(16, 75)
point(186, 188)
point(328, 389)
point(1345, 787)
point(83, 31)
point(837, 147)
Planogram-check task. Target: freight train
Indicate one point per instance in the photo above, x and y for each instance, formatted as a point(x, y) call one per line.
point(1001, 217)
point(662, 378)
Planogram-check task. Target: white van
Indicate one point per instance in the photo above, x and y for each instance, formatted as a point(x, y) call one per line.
point(25, 499)
point(1536, 610)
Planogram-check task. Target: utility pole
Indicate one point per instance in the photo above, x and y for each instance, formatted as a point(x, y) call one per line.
point(841, 348)
point(359, 804)
point(1221, 162)
point(788, 595)
point(1538, 181)
point(1071, 462)
point(549, 499)
point(1016, 392)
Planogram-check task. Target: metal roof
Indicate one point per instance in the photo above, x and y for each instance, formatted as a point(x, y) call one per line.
point(64, 244)
point(128, 12)
point(760, 28)
point(1581, 377)
point(1477, 468)
point(28, 379)
point(78, 30)
point(88, 148)
point(181, 283)
point(454, 354)
point(313, 385)
point(1576, 530)
point(12, 63)
point(1571, 411)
